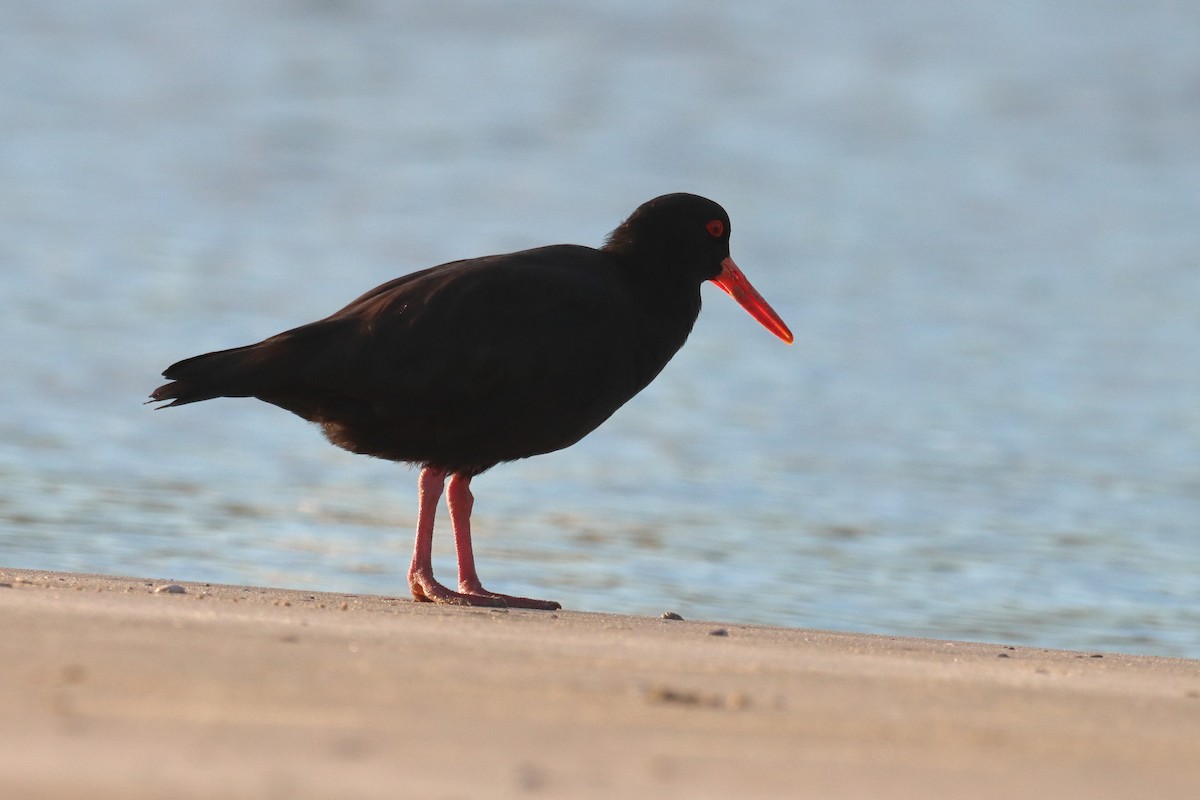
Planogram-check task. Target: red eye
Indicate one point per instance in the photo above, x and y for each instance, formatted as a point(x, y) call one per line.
point(716, 228)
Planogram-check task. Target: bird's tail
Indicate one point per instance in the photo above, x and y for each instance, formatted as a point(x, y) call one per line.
point(220, 374)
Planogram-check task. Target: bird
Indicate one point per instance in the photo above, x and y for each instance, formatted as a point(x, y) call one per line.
point(469, 364)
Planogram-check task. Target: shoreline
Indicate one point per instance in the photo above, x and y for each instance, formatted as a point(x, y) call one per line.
point(123, 687)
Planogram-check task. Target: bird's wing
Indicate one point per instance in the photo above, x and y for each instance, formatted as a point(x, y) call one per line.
point(531, 325)
point(527, 325)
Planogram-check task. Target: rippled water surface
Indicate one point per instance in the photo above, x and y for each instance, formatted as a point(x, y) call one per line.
point(980, 221)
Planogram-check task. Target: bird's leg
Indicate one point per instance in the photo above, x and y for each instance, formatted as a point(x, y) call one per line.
point(420, 574)
point(460, 501)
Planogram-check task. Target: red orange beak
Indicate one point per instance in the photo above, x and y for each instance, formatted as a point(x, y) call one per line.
point(734, 283)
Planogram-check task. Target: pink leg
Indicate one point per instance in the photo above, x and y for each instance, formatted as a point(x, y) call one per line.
point(420, 574)
point(460, 501)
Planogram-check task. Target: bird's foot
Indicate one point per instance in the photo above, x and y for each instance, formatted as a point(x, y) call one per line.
point(434, 592)
point(430, 591)
point(511, 601)
point(426, 589)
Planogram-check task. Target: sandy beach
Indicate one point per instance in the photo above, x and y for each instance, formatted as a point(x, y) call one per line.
point(140, 688)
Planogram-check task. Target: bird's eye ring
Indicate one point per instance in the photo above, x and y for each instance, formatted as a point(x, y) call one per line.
point(716, 228)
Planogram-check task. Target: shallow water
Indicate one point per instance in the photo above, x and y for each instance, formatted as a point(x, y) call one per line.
point(980, 223)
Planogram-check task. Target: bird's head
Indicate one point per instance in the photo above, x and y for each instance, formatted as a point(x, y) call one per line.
point(689, 234)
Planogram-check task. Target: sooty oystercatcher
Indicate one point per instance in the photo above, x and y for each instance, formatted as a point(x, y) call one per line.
point(464, 365)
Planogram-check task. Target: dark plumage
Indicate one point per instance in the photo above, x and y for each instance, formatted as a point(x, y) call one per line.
point(465, 365)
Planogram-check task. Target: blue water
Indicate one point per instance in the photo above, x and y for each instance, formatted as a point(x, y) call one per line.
point(980, 220)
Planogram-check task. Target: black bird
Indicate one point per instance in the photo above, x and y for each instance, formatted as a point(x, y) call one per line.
point(465, 365)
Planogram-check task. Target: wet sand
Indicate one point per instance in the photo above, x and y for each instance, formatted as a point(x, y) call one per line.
point(127, 688)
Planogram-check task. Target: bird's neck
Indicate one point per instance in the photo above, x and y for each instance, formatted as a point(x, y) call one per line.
point(668, 303)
